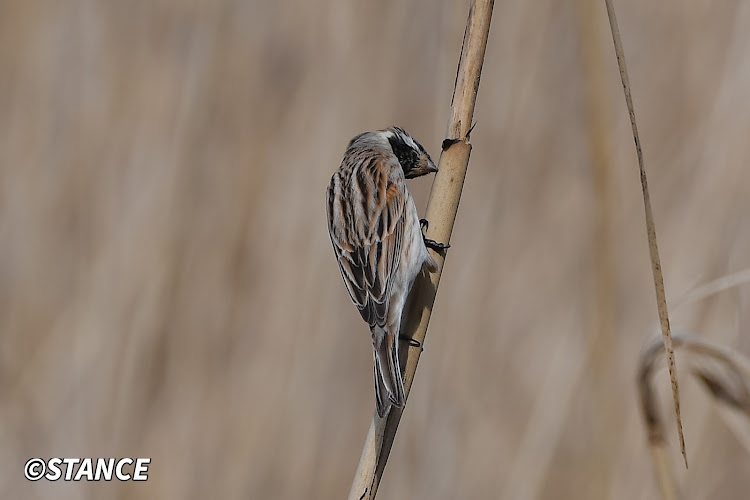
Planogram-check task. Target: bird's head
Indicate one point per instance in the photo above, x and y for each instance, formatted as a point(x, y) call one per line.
point(411, 155)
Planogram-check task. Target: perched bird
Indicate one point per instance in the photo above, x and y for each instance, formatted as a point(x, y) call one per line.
point(378, 242)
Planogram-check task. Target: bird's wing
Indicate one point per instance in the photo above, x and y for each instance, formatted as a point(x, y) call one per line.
point(367, 232)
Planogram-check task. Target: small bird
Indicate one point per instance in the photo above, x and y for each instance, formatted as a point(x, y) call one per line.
point(378, 242)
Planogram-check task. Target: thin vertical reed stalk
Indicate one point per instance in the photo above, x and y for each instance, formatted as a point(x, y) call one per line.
point(441, 213)
point(600, 337)
point(661, 297)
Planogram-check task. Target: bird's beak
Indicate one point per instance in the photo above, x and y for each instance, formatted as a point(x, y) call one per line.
point(431, 167)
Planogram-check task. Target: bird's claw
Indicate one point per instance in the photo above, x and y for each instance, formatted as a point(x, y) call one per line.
point(435, 245)
point(424, 224)
point(412, 342)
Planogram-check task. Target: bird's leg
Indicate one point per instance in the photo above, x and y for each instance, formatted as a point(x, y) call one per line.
point(425, 225)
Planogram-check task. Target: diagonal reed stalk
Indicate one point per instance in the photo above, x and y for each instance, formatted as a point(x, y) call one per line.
point(601, 329)
point(729, 386)
point(661, 298)
point(441, 213)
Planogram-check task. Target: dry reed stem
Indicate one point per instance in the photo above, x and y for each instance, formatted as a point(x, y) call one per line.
point(730, 387)
point(662, 470)
point(661, 299)
point(441, 213)
point(600, 336)
point(715, 286)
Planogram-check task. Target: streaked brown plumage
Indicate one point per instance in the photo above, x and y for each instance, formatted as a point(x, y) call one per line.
point(378, 242)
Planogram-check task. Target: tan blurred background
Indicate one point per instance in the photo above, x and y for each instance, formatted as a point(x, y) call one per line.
point(168, 290)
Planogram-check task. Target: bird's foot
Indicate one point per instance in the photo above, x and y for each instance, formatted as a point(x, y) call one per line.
point(435, 245)
point(412, 342)
point(424, 224)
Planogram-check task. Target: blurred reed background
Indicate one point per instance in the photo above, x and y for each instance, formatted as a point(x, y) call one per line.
point(167, 286)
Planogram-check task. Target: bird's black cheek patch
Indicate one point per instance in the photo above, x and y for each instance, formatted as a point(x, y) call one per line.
point(405, 154)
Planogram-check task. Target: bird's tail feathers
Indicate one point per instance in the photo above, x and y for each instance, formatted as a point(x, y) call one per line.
point(389, 384)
